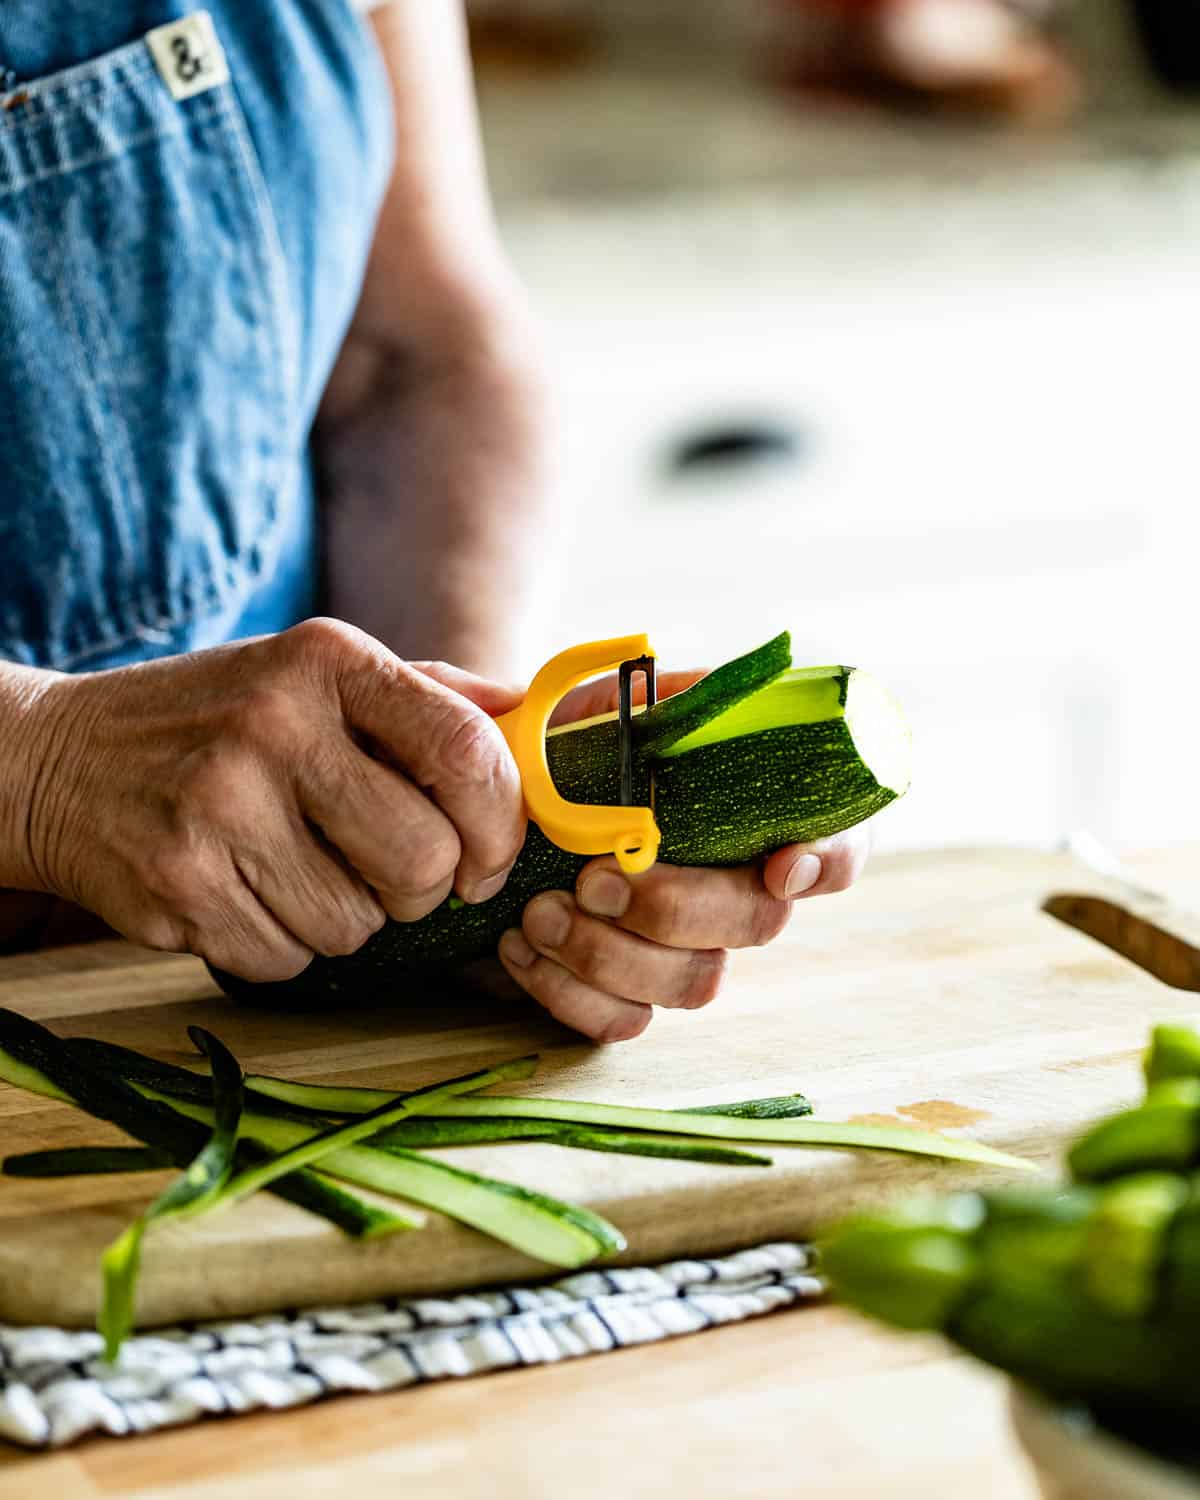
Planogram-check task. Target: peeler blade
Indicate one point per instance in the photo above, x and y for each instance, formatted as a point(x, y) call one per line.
point(644, 665)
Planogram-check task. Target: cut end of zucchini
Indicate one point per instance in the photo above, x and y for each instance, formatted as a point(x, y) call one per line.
point(801, 695)
point(814, 695)
point(879, 730)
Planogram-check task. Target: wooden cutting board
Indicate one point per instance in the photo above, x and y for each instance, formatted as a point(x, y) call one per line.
point(937, 993)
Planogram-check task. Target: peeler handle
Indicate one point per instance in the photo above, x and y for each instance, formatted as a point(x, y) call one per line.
point(630, 833)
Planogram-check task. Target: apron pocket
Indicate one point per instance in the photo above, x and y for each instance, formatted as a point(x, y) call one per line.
point(148, 363)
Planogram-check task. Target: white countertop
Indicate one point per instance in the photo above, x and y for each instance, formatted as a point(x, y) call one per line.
point(985, 342)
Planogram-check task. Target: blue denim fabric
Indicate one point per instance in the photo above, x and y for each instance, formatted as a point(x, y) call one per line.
point(176, 278)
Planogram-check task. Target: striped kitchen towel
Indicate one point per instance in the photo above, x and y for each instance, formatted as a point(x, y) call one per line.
point(55, 1385)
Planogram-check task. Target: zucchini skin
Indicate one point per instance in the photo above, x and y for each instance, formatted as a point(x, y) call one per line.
point(720, 804)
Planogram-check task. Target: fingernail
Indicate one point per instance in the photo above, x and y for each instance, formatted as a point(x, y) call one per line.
point(605, 894)
point(803, 875)
point(548, 919)
point(484, 890)
point(515, 950)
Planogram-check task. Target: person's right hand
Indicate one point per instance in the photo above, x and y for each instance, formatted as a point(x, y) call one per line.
point(258, 803)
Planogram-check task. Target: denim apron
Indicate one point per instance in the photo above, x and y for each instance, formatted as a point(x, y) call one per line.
point(184, 223)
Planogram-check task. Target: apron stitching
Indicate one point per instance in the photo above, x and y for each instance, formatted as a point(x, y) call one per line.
point(91, 160)
point(222, 592)
point(278, 352)
point(127, 518)
point(55, 259)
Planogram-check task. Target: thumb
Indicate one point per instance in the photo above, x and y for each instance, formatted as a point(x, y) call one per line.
point(600, 697)
point(494, 698)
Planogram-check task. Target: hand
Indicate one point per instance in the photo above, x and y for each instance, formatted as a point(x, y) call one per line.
point(600, 960)
point(261, 802)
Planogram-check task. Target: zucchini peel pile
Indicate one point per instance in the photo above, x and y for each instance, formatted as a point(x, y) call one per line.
point(365, 1159)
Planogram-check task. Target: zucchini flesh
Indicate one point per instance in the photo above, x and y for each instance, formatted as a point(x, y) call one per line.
point(312, 1148)
point(754, 756)
point(316, 1098)
point(668, 1147)
point(333, 1099)
point(785, 1132)
point(190, 1194)
point(714, 694)
point(316, 1103)
point(788, 1130)
point(562, 1234)
point(433, 1133)
point(417, 1134)
point(33, 1058)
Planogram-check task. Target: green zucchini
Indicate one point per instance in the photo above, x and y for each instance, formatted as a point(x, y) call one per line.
point(777, 1107)
point(85, 1161)
point(311, 1148)
point(786, 1129)
point(34, 1059)
point(320, 1104)
point(197, 1188)
point(756, 755)
point(563, 1234)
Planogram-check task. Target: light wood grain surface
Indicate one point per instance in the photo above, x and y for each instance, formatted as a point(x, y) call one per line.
point(936, 994)
point(938, 983)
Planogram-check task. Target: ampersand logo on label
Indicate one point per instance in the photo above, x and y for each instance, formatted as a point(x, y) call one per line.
point(188, 55)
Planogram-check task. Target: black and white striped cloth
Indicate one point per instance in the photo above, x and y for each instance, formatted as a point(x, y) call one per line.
point(55, 1386)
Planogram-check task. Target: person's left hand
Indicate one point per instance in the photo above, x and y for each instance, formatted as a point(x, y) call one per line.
point(600, 959)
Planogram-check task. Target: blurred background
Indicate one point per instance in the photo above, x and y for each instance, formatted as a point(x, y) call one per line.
point(877, 320)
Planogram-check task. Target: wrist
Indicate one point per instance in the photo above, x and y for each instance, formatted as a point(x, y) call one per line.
point(31, 746)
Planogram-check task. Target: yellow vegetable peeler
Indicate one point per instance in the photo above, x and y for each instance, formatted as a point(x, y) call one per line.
point(629, 832)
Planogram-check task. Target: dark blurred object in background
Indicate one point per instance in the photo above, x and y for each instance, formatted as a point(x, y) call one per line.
point(1027, 61)
point(986, 56)
point(516, 38)
point(1170, 31)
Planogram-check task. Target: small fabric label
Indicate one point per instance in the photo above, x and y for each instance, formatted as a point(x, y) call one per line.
point(188, 55)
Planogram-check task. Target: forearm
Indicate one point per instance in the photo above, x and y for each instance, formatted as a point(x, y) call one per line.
point(26, 753)
point(439, 530)
point(432, 440)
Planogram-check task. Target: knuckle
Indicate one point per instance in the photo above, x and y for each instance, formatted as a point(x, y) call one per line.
point(661, 906)
point(349, 934)
point(229, 938)
point(160, 930)
point(425, 857)
point(170, 875)
point(472, 748)
point(705, 976)
point(322, 637)
point(411, 906)
point(582, 950)
point(374, 919)
point(213, 786)
point(432, 858)
point(261, 965)
point(838, 876)
point(329, 779)
point(267, 714)
point(768, 918)
point(622, 1025)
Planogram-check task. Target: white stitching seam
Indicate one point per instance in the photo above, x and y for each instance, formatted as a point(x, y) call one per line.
point(92, 159)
